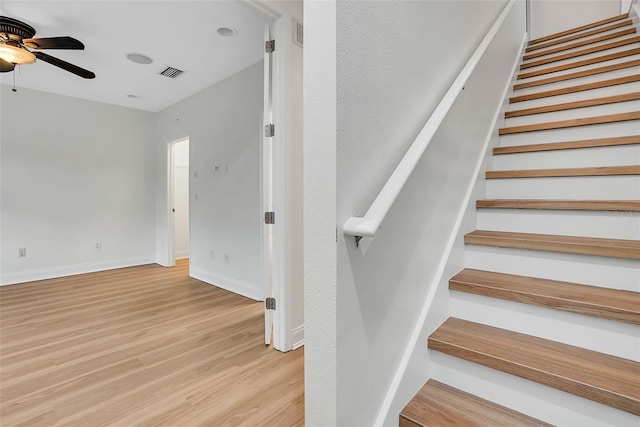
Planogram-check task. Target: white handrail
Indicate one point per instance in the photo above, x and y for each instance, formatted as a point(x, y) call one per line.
point(368, 225)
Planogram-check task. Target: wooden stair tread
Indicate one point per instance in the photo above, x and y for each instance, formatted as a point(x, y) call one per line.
point(544, 204)
point(612, 304)
point(437, 404)
point(616, 248)
point(585, 73)
point(582, 63)
point(614, 26)
point(633, 96)
point(578, 29)
point(568, 145)
point(563, 172)
point(610, 118)
point(603, 378)
point(577, 88)
point(581, 43)
point(582, 52)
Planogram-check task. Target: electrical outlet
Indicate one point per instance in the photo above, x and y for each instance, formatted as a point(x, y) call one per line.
point(212, 255)
point(227, 258)
point(22, 252)
point(226, 168)
point(217, 168)
point(97, 246)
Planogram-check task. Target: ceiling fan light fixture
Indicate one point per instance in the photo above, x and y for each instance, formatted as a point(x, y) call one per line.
point(16, 55)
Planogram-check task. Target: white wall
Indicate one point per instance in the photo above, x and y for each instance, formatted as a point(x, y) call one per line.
point(395, 60)
point(224, 124)
point(552, 16)
point(320, 214)
point(181, 199)
point(73, 173)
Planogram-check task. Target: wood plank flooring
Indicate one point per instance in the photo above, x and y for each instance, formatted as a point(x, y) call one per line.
point(141, 346)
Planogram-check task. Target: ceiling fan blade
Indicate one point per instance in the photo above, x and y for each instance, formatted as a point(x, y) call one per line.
point(54, 43)
point(65, 65)
point(6, 66)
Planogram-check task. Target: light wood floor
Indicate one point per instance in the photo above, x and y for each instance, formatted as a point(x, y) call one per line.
point(141, 346)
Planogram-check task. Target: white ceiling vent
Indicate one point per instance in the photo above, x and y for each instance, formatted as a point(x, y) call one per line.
point(171, 72)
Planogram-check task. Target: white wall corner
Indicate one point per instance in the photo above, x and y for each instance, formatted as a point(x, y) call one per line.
point(297, 335)
point(248, 290)
point(319, 180)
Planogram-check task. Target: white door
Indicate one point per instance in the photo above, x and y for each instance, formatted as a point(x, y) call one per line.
point(267, 190)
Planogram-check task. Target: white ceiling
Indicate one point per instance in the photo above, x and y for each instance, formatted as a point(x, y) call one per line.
point(180, 34)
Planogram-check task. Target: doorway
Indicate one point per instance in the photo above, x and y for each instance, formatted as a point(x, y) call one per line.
point(178, 191)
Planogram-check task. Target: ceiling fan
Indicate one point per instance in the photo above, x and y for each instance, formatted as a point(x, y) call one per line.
point(16, 40)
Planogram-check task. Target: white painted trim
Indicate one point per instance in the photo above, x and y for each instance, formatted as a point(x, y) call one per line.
point(368, 225)
point(280, 200)
point(246, 289)
point(433, 286)
point(282, 204)
point(297, 337)
point(72, 270)
point(262, 7)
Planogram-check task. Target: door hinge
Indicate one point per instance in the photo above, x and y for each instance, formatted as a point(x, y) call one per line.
point(270, 46)
point(269, 130)
point(270, 303)
point(269, 217)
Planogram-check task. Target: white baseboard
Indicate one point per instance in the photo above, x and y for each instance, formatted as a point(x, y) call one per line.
point(70, 270)
point(230, 284)
point(297, 337)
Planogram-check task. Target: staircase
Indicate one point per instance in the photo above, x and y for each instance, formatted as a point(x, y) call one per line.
point(543, 325)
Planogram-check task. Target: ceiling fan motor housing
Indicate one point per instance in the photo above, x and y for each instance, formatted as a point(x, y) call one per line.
point(17, 28)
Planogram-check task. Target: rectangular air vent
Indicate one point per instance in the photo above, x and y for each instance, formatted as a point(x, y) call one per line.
point(171, 72)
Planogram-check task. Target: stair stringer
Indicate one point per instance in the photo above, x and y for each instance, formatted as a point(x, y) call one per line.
point(413, 371)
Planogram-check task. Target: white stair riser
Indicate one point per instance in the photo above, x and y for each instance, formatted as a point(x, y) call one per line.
point(587, 38)
point(581, 58)
point(577, 96)
point(569, 223)
point(536, 400)
point(605, 336)
point(577, 82)
point(574, 70)
point(605, 130)
point(576, 113)
point(625, 187)
point(578, 49)
point(607, 272)
point(583, 157)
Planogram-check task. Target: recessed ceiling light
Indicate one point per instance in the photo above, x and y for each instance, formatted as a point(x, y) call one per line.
point(227, 32)
point(133, 96)
point(139, 58)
